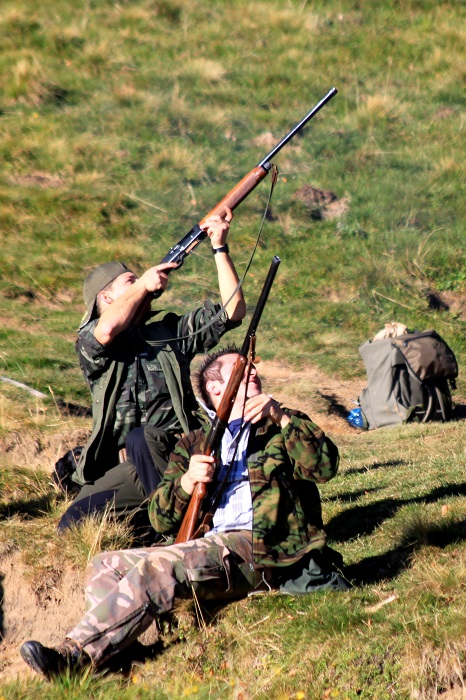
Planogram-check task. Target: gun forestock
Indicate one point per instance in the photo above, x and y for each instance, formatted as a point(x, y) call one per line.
point(191, 517)
point(234, 197)
point(239, 192)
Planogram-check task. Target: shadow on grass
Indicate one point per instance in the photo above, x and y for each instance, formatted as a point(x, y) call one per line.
point(73, 409)
point(388, 565)
point(334, 406)
point(350, 495)
point(374, 467)
point(363, 520)
point(134, 653)
point(32, 508)
point(459, 412)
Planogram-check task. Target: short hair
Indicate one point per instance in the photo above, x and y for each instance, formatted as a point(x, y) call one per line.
point(210, 371)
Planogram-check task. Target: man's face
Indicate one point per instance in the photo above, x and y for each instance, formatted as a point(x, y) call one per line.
point(250, 384)
point(121, 283)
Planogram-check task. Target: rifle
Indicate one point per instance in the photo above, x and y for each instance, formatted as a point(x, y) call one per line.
point(189, 525)
point(240, 191)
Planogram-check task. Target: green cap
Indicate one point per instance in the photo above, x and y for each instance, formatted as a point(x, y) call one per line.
point(97, 280)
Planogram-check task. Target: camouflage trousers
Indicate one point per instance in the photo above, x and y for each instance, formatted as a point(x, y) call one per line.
point(126, 590)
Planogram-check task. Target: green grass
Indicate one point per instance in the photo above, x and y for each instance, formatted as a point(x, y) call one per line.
point(137, 127)
point(122, 125)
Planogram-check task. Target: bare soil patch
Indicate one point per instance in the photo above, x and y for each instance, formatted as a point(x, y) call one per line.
point(450, 301)
point(39, 179)
point(27, 449)
point(326, 399)
point(35, 610)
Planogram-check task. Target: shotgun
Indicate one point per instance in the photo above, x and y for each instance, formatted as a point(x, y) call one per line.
point(190, 522)
point(240, 191)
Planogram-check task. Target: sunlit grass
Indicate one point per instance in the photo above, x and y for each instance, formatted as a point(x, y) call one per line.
point(122, 125)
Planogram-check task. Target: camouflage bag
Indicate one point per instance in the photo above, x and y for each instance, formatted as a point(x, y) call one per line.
point(410, 378)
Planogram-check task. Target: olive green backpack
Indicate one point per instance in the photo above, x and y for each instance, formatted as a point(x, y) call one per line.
point(409, 377)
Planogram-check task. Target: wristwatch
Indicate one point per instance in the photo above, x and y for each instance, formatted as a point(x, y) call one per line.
point(222, 249)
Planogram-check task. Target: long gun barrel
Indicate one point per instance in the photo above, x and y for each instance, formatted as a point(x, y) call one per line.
point(191, 518)
point(241, 190)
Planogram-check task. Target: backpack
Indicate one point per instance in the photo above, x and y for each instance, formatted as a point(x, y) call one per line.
point(410, 378)
point(63, 470)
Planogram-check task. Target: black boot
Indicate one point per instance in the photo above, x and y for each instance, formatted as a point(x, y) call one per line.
point(51, 661)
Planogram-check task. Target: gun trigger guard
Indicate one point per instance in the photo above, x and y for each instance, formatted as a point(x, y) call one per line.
point(179, 262)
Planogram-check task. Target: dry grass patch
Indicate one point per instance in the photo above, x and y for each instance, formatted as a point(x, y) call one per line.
point(377, 107)
point(203, 69)
point(98, 57)
point(449, 165)
point(39, 446)
point(436, 676)
point(126, 94)
point(186, 162)
point(15, 415)
point(40, 179)
point(144, 15)
point(95, 534)
point(440, 574)
point(91, 178)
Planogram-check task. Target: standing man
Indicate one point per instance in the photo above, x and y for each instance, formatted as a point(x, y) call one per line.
point(266, 530)
point(137, 365)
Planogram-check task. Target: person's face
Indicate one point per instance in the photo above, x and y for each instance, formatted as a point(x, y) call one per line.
point(250, 384)
point(121, 283)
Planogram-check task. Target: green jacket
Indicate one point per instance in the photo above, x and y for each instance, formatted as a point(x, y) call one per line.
point(284, 468)
point(141, 379)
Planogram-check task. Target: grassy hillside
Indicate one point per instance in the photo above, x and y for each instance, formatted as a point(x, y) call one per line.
point(122, 125)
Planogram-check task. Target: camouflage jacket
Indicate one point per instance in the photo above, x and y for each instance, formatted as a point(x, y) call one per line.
point(284, 467)
point(143, 378)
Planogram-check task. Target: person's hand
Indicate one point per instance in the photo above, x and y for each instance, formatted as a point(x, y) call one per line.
point(156, 278)
point(264, 406)
point(201, 470)
point(217, 228)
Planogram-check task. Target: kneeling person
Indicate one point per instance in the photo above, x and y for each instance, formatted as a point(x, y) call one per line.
point(137, 365)
point(266, 529)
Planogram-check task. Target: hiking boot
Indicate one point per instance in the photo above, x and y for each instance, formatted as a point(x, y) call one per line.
point(51, 661)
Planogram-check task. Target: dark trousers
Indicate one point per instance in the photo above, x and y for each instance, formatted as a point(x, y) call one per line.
point(123, 490)
point(149, 450)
